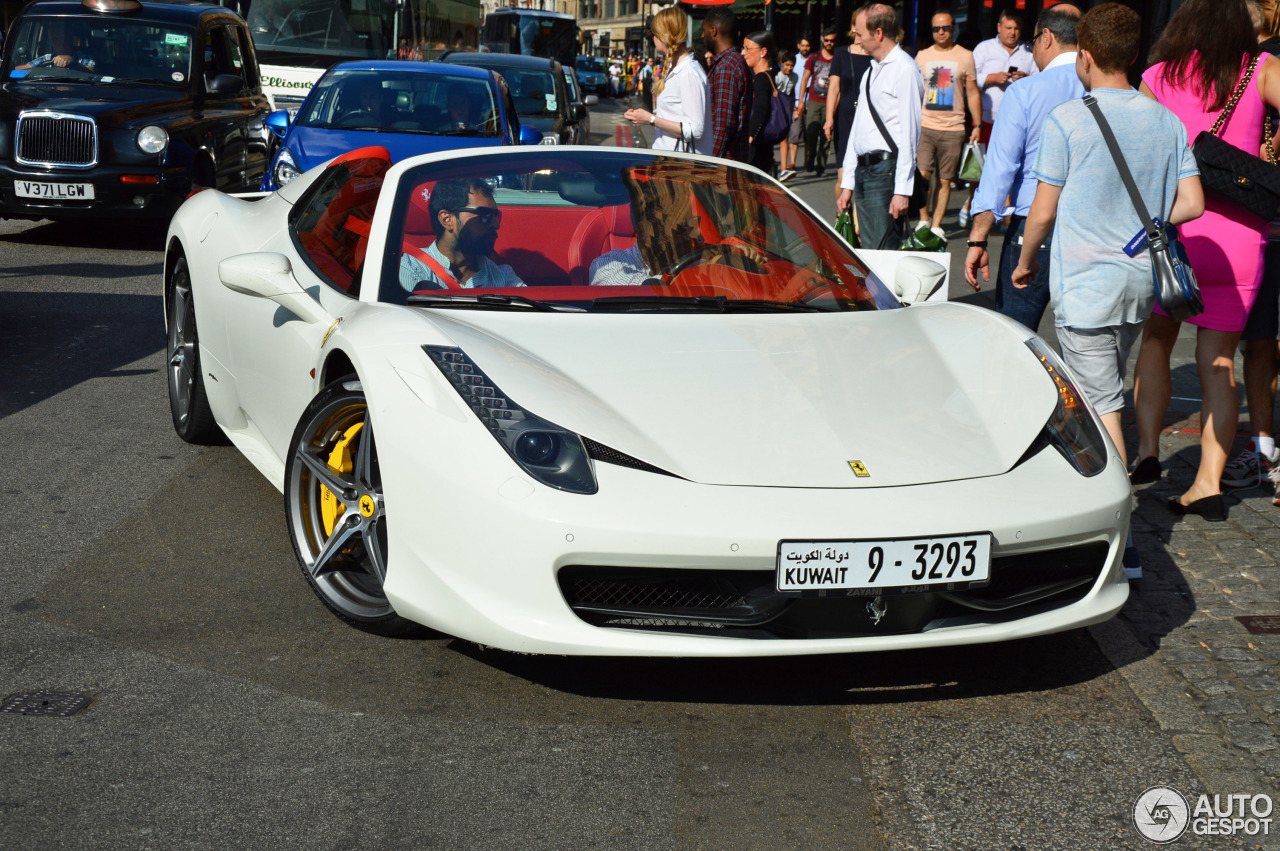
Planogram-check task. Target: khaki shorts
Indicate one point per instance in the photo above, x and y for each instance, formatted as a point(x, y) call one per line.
point(1098, 356)
point(944, 146)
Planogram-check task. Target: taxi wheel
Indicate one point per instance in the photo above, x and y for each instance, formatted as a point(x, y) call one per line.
point(188, 403)
point(334, 509)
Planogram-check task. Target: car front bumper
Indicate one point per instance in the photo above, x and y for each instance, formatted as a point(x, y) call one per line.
point(113, 197)
point(477, 547)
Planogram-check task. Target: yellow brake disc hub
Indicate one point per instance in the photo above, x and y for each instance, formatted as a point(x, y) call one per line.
point(340, 460)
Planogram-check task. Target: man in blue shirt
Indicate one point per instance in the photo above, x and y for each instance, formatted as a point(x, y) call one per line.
point(1010, 157)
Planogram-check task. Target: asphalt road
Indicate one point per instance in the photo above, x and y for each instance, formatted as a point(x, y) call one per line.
point(229, 709)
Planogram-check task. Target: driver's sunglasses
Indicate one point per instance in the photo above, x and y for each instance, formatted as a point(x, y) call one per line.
point(944, 29)
point(486, 215)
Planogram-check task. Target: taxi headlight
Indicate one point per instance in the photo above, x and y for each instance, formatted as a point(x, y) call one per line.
point(1072, 429)
point(550, 139)
point(286, 169)
point(153, 139)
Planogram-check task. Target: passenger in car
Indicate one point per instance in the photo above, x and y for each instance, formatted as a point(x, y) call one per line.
point(466, 221)
point(668, 239)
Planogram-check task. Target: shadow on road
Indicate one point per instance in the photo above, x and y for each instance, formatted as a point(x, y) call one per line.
point(52, 341)
point(129, 236)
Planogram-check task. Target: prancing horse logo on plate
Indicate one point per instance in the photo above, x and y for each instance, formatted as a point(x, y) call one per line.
point(860, 469)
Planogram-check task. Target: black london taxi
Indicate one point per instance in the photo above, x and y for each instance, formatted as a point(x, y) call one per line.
point(120, 108)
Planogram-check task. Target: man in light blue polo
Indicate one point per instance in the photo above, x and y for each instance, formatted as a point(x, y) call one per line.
point(1102, 294)
point(1010, 157)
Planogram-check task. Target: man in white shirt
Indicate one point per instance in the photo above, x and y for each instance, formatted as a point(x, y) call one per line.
point(880, 162)
point(1000, 61)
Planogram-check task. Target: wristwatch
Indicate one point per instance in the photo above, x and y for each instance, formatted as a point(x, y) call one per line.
point(653, 119)
point(977, 243)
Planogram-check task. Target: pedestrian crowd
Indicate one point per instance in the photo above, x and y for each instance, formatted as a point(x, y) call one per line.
point(1061, 125)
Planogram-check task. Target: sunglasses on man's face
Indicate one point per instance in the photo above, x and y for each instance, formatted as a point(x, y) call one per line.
point(486, 215)
point(943, 29)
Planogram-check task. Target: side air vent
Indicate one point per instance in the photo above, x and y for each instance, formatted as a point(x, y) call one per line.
point(600, 452)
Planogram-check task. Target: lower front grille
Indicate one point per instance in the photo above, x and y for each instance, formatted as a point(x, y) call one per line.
point(64, 139)
point(746, 603)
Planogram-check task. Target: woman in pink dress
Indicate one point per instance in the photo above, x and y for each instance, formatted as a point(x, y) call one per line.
point(1204, 52)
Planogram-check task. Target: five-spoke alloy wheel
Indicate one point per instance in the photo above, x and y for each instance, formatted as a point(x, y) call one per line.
point(335, 512)
point(192, 418)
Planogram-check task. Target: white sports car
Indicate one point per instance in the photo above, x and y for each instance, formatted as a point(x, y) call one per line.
point(617, 402)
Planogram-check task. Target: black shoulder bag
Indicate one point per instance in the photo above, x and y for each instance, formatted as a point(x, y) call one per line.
point(1174, 281)
point(1235, 176)
point(920, 186)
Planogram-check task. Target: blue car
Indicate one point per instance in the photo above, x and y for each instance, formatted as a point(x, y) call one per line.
point(409, 108)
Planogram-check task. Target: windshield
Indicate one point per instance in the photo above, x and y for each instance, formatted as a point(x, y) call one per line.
point(534, 92)
point(100, 49)
point(608, 231)
point(531, 33)
point(403, 102)
point(590, 63)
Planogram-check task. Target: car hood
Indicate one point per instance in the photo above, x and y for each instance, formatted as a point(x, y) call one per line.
point(109, 104)
point(313, 145)
point(924, 394)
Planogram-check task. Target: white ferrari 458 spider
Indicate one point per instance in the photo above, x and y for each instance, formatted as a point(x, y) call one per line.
point(622, 402)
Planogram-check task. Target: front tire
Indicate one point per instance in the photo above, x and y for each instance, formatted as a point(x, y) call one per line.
point(188, 403)
point(334, 509)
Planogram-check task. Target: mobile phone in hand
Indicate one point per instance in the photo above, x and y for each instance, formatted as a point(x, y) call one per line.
point(1013, 69)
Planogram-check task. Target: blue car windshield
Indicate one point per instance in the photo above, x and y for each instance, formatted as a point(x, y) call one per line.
point(403, 102)
point(590, 63)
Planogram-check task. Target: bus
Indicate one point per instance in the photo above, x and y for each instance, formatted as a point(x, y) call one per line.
point(298, 40)
point(530, 32)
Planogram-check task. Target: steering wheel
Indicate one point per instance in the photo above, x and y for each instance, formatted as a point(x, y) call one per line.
point(706, 253)
point(355, 113)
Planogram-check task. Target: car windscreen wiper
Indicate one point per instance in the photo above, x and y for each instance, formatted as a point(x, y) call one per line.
point(489, 301)
point(707, 303)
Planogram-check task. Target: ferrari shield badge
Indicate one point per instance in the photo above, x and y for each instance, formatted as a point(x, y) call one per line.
point(859, 469)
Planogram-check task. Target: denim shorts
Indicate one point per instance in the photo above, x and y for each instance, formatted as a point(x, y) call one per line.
point(1097, 356)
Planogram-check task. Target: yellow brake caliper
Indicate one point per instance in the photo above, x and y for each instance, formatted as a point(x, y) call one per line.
point(340, 460)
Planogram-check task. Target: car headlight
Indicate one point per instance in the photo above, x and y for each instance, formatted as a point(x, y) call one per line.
point(286, 168)
point(550, 139)
point(1071, 429)
point(552, 455)
point(153, 139)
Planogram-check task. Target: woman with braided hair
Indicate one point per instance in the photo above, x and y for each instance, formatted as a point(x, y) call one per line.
point(682, 101)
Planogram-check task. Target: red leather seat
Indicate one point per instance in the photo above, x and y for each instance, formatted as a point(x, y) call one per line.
point(604, 230)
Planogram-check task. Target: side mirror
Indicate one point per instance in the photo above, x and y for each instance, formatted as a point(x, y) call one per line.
point(530, 135)
point(578, 111)
point(278, 123)
point(270, 275)
point(225, 84)
point(592, 100)
point(916, 279)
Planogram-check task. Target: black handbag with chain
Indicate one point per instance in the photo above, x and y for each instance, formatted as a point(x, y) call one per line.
point(1230, 174)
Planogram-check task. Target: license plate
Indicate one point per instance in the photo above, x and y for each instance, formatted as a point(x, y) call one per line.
point(53, 191)
point(901, 566)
